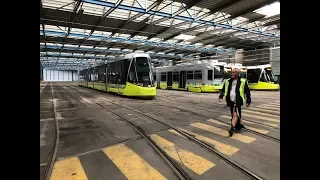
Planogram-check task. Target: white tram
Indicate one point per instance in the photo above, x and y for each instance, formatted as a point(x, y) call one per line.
point(201, 76)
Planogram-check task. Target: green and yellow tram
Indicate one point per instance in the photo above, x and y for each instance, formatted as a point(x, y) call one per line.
point(127, 75)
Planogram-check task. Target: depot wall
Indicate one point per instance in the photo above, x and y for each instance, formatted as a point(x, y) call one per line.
point(58, 75)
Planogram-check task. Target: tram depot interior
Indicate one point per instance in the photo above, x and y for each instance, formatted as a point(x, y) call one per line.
point(129, 89)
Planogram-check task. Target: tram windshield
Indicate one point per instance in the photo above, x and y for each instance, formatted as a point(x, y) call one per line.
point(143, 69)
point(218, 72)
point(140, 71)
point(243, 73)
point(269, 75)
point(227, 73)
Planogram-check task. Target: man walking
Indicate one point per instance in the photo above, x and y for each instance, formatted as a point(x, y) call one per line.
point(235, 91)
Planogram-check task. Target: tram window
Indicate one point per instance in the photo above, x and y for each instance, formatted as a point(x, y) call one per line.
point(210, 73)
point(189, 74)
point(227, 73)
point(175, 76)
point(253, 75)
point(102, 76)
point(263, 77)
point(113, 78)
point(269, 74)
point(154, 77)
point(143, 70)
point(132, 73)
point(120, 74)
point(197, 75)
point(218, 72)
point(243, 73)
point(163, 77)
point(125, 69)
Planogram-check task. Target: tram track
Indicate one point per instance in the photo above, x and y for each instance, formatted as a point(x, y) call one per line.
point(216, 117)
point(190, 137)
point(228, 123)
point(176, 169)
point(253, 104)
point(214, 111)
point(54, 148)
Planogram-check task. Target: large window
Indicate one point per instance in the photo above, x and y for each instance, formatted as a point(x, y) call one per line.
point(163, 77)
point(190, 75)
point(269, 74)
point(218, 72)
point(143, 69)
point(154, 77)
point(253, 75)
point(132, 78)
point(197, 75)
point(111, 73)
point(175, 76)
point(210, 74)
point(243, 73)
point(227, 73)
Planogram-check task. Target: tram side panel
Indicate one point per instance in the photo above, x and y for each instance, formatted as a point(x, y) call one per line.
point(213, 79)
point(261, 78)
point(130, 77)
point(194, 79)
point(100, 78)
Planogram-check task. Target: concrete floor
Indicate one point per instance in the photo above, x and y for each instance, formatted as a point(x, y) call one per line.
point(96, 144)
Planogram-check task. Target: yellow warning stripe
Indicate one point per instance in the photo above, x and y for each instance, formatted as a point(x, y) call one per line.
point(68, 169)
point(260, 113)
point(131, 164)
point(261, 123)
point(268, 107)
point(222, 132)
point(192, 161)
point(261, 117)
point(264, 110)
point(224, 148)
point(248, 127)
point(265, 123)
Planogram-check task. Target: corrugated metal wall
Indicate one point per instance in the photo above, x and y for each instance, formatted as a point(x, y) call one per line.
point(275, 60)
point(41, 72)
point(55, 75)
point(256, 57)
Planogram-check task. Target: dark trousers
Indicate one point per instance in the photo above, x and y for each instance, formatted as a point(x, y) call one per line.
point(234, 108)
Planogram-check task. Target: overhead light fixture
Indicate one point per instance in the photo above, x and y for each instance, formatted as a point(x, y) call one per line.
point(184, 37)
point(269, 10)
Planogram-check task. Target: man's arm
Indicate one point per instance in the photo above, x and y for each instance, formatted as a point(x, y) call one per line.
point(247, 92)
point(222, 91)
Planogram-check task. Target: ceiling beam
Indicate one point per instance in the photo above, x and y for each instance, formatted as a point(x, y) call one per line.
point(249, 10)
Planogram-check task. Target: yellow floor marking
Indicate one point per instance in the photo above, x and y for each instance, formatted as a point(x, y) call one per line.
point(265, 123)
point(268, 107)
point(260, 113)
point(261, 117)
point(222, 132)
point(192, 161)
point(271, 105)
point(68, 169)
point(274, 104)
point(224, 148)
point(131, 164)
point(249, 122)
point(252, 128)
point(263, 110)
point(218, 122)
point(257, 130)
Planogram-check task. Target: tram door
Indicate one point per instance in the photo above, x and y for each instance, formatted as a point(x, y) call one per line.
point(169, 80)
point(182, 79)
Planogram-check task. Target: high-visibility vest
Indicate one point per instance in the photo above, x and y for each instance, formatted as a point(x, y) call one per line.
point(241, 89)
